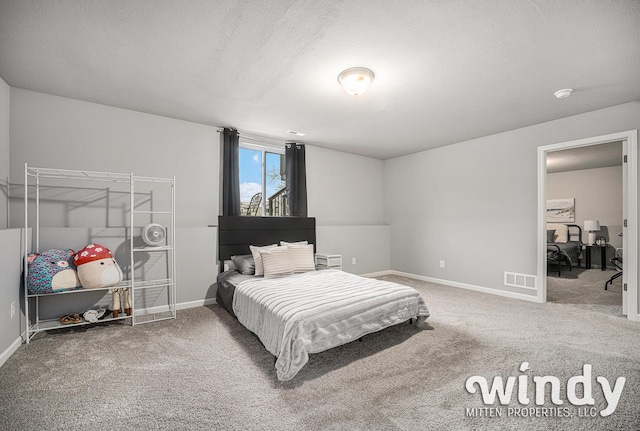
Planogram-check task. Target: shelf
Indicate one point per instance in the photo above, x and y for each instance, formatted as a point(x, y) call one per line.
point(154, 179)
point(155, 317)
point(92, 175)
point(150, 248)
point(33, 178)
point(122, 285)
point(46, 325)
point(153, 283)
point(78, 175)
point(125, 284)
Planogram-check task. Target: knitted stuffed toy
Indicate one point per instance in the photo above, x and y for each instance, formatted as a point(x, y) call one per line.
point(51, 271)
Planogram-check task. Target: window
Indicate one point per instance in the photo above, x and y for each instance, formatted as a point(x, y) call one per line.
point(262, 181)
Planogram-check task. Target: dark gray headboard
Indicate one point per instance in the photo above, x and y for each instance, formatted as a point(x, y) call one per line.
point(236, 234)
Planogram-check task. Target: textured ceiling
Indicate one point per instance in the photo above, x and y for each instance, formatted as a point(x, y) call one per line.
point(446, 71)
point(589, 157)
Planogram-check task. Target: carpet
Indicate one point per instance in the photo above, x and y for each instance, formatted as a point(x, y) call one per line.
point(584, 288)
point(204, 371)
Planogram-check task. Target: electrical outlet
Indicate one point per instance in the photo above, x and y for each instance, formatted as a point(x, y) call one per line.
point(442, 264)
point(13, 309)
point(353, 261)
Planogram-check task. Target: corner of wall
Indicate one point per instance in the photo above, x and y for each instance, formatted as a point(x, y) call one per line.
point(5, 109)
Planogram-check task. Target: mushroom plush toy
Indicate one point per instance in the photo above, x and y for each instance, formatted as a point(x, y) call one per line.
point(97, 267)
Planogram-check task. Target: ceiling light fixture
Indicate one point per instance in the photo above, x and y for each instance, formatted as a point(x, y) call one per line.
point(565, 92)
point(296, 133)
point(356, 80)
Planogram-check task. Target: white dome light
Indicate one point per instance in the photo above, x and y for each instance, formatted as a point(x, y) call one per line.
point(565, 92)
point(356, 80)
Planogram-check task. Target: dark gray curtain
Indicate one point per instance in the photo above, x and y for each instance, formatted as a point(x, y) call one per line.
point(296, 180)
point(230, 173)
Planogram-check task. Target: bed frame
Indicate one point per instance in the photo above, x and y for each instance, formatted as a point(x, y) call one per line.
point(237, 233)
point(560, 259)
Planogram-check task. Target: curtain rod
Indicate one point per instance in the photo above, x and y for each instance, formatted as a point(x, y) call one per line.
point(265, 141)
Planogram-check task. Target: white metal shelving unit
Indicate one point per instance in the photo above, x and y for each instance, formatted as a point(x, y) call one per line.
point(169, 249)
point(137, 284)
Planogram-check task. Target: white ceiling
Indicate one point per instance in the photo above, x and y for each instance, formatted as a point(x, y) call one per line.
point(445, 71)
point(590, 157)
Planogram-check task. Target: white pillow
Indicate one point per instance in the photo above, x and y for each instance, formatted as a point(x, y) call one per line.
point(257, 259)
point(294, 243)
point(276, 262)
point(562, 232)
point(301, 257)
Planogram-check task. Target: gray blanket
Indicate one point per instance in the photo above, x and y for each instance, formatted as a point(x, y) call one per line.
point(569, 252)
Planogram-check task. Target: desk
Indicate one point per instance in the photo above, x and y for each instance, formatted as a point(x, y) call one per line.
point(603, 255)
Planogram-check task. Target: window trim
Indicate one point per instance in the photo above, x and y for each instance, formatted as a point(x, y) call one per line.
point(264, 148)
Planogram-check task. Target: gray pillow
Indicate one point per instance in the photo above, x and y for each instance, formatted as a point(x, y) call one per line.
point(244, 264)
point(550, 234)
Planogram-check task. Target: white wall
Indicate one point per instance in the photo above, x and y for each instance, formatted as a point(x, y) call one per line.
point(346, 195)
point(369, 245)
point(598, 196)
point(344, 189)
point(51, 131)
point(57, 132)
point(10, 266)
point(474, 204)
point(10, 251)
point(5, 97)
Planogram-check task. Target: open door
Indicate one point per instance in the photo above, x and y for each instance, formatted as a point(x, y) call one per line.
point(625, 237)
point(630, 245)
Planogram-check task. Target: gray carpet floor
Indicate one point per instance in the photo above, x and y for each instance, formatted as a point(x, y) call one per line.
point(204, 371)
point(585, 288)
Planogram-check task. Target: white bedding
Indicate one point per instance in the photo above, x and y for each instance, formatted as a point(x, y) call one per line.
point(315, 311)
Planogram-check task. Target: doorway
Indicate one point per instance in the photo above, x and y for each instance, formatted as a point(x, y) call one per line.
point(629, 202)
point(588, 181)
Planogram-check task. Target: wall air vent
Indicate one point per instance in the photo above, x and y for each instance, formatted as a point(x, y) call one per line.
point(520, 280)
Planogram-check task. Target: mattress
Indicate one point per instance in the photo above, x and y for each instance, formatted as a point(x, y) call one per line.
point(307, 313)
point(227, 283)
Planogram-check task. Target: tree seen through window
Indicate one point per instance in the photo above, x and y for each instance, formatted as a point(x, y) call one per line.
point(262, 182)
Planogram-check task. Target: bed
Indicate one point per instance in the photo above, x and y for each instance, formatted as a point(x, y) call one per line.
point(304, 312)
point(564, 245)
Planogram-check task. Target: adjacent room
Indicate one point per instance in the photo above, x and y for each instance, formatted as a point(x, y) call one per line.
point(288, 215)
point(591, 273)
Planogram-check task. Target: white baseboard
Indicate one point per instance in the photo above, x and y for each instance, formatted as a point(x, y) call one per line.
point(634, 317)
point(530, 298)
point(377, 274)
point(10, 350)
point(179, 306)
